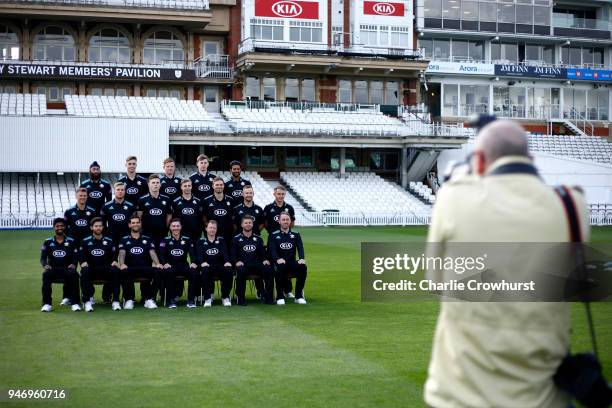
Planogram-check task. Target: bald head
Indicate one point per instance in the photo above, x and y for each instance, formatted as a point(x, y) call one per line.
point(502, 138)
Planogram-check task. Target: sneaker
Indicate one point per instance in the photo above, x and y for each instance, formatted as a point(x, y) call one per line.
point(92, 300)
point(280, 302)
point(300, 301)
point(290, 295)
point(88, 307)
point(241, 302)
point(65, 302)
point(116, 306)
point(128, 305)
point(150, 304)
point(226, 302)
point(46, 308)
point(191, 306)
point(172, 306)
point(208, 303)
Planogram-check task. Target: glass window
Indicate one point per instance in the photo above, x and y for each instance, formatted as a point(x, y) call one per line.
point(121, 92)
point(575, 56)
point(488, 12)
point(474, 99)
point(548, 54)
point(505, 13)
point(211, 48)
point(587, 56)
point(210, 94)
point(109, 92)
point(376, 92)
point(524, 14)
point(452, 9)
point(175, 93)
point(428, 46)
point(269, 89)
point(151, 93)
point(163, 47)
point(369, 34)
point(345, 92)
point(504, 52)
point(109, 45)
point(299, 157)
point(54, 94)
point(55, 44)
point(252, 88)
point(308, 90)
point(163, 93)
point(598, 56)
point(9, 44)
point(292, 89)
point(441, 49)
point(532, 52)
point(451, 100)
point(469, 10)
point(361, 92)
point(541, 16)
point(261, 156)
point(476, 50)
point(305, 31)
point(433, 8)
point(460, 50)
point(391, 93)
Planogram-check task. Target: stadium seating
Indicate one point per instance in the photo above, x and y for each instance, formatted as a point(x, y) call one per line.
point(589, 148)
point(354, 193)
point(423, 191)
point(23, 104)
point(184, 116)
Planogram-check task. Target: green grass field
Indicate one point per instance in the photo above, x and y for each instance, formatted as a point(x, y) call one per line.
point(335, 351)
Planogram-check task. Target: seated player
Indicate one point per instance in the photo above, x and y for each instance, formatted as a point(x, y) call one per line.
point(97, 259)
point(58, 257)
point(173, 252)
point(136, 254)
point(250, 258)
point(282, 246)
point(213, 259)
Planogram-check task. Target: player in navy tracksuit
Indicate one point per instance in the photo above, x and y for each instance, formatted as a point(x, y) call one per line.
point(188, 209)
point(176, 254)
point(234, 186)
point(97, 255)
point(170, 184)
point(202, 180)
point(137, 259)
point(98, 189)
point(58, 257)
point(116, 215)
point(78, 217)
point(213, 259)
point(250, 258)
point(136, 186)
point(283, 246)
point(155, 210)
point(219, 207)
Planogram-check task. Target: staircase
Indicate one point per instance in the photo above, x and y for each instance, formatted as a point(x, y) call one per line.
point(292, 197)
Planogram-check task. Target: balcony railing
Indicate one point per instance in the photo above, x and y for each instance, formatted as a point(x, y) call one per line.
point(533, 63)
point(302, 106)
point(568, 21)
point(214, 67)
point(173, 64)
point(157, 4)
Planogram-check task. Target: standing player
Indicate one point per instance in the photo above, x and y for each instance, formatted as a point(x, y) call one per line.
point(136, 186)
point(170, 184)
point(188, 209)
point(98, 189)
point(234, 186)
point(219, 207)
point(249, 256)
point(79, 216)
point(173, 253)
point(272, 212)
point(248, 207)
point(212, 256)
point(155, 210)
point(116, 214)
point(202, 180)
point(283, 245)
point(97, 259)
point(136, 254)
point(58, 257)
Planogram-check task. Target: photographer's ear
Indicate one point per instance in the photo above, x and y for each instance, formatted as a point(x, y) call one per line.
point(478, 162)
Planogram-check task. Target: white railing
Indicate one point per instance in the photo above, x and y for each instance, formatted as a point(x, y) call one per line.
point(214, 66)
point(160, 4)
point(579, 120)
point(170, 64)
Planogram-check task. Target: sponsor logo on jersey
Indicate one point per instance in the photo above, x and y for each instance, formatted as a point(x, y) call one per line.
point(286, 245)
point(95, 194)
point(237, 193)
point(132, 190)
point(155, 211)
point(170, 190)
point(97, 252)
point(188, 211)
point(81, 222)
point(137, 250)
point(177, 252)
point(119, 217)
point(59, 253)
point(276, 217)
point(220, 212)
point(249, 248)
point(212, 251)
point(203, 187)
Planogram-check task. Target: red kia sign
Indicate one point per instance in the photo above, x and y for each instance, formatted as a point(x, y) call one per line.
point(383, 8)
point(287, 9)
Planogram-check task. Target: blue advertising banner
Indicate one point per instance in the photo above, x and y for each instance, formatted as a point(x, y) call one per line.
point(530, 71)
point(584, 74)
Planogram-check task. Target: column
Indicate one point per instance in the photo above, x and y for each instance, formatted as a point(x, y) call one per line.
point(342, 161)
point(404, 167)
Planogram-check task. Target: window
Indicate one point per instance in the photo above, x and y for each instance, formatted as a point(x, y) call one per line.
point(451, 9)
point(505, 13)
point(121, 92)
point(451, 100)
point(474, 99)
point(384, 161)
point(210, 48)
point(428, 46)
point(460, 50)
point(252, 88)
point(488, 12)
point(392, 93)
point(292, 89)
point(384, 36)
point(469, 10)
point(541, 16)
point(433, 8)
point(9, 89)
point(53, 92)
point(308, 90)
point(299, 157)
point(524, 14)
point(261, 156)
point(476, 50)
point(376, 92)
point(399, 37)
point(109, 45)
point(163, 47)
point(164, 93)
point(54, 43)
point(441, 49)
point(264, 29)
point(210, 94)
point(269, 89)
point(361, 92)
point(369, 35)
point(345, 92)
point(305, 31)
point(504, 52)
point(9, 44)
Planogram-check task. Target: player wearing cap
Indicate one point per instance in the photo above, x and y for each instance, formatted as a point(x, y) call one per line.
point(98, 189)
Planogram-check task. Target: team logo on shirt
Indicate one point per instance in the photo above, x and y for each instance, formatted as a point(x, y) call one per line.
point(155, 211)
point(132, 190)
point(204, 187)
point(249, 248)
point(177, 252)
point(212, 251)
point(95, 194)
point(170, 190)
point(188, 211)
point(59, 253)
point(237, 193)
point(80, 223)
point(276, 217)
point(137, 250)
point(286, 245)
point(220, 212)
point(119, 217)
point(97, 252)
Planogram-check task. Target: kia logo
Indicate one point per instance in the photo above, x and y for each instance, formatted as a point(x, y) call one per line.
point(58, 253)
point(249, 248)
point(132, 190)
point(237, 193)
point(384, 8)
point(287, 9)
point(286, 245)
point(204, 187)
point(97, 252)
point(137, 250)
point(212, 251)
point(188, 211)
point(170, 190)
point(220, 212)
point(95, 194)
point(81, 223)
point(177, 252)
point(276, 217)
point(119, 217)
point(155, 211)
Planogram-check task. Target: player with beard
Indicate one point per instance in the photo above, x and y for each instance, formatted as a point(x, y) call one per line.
point(234, 186)
point(98, 190)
